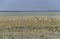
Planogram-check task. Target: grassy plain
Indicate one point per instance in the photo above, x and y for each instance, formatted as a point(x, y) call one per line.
point(29, 23)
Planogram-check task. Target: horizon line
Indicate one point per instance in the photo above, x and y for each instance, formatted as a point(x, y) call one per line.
point(34, 11)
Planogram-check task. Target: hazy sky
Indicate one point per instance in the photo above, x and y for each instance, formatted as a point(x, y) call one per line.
point(26, 5)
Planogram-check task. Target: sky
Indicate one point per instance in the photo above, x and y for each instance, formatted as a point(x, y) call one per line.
point(29, 5)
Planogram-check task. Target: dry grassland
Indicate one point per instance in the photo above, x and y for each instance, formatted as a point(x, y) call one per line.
point(29, 23)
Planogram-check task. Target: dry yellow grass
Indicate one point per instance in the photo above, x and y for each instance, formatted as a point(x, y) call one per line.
point(28, 20)
point(29, 23)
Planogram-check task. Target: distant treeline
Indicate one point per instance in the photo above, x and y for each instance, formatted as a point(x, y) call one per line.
point(35, 11)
